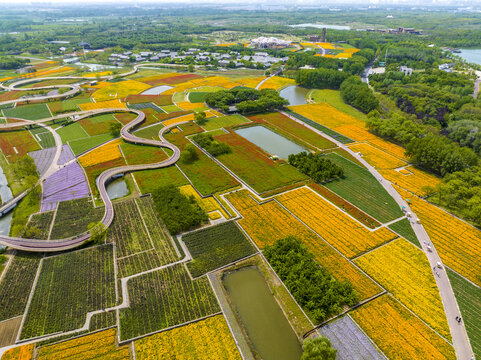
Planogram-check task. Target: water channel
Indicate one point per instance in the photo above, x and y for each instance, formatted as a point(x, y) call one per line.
point(269, 141)
point(117, 188)
point(295, 94)
point(265, 323)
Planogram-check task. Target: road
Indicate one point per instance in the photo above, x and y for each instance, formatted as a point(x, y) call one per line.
point(458, 331)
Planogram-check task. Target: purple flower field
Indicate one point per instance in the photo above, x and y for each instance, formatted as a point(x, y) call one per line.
point(42, 158)
point(351, 343)
point(66, 184)
point(66, 155)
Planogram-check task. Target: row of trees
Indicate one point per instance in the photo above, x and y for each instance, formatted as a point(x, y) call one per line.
point(321, 78)
point(318, 168)
point(358, 94)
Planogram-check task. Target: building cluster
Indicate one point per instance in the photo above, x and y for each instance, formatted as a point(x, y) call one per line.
point(269, 42)
point(399, 30)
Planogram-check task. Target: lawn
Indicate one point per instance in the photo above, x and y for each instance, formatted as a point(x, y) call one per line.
point(137, 154)
point(216, 246)
point(149, 180)
point(97, 125)
point(74, 284)
point(72, 132)
point(469, 302)
point(403, 227)
point(151, 132)
point(165, 298)
point(254, 166)
point(224, 121)
point(73, 217)
point(28, 112)
point(363, 190)
point(333, 98)
point(17, 283)
point(197, 96)
point(170, 108)
point(43, 137)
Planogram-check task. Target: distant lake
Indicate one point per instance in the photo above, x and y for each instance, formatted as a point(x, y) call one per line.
point(321, 26)
point(471, 55)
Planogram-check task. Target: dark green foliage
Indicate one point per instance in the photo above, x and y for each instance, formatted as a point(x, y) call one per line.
point(358, 94)
point(466, 133)
point(394, 127)
point(178, 212)
point(213, 147)
point(440, 155)
point(247, 101)
point(319, 348)
point(114, 129)
point(318, 168)
point(39, 225)
point(103, 320)
point(200, 118)
point(189, 154)
point(216, 246)
point(8, 63)
point(321, 78)
point(314, 288)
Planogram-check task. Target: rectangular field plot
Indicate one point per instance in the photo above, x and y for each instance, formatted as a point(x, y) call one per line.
point(224, 121)
point(404, 271)
point(469, 301)
point(207, 338)
point(83, 145)
point(349, 340)
point(135, 154)
point(363, 190)
point(165, 298)
point(58, 107)
point(28, 112)
point(69, 286)
point(376, 157)
point(459, 247)
point(16, 284)
point(254, 166)
point(398, 333)
point(101, 345)
point(411, 179)
point(97, 125)
point(258, 222)
point(17, 143)
point(39, 225)
point(338, 229)
point(9, 330)
point(73, 217)
point(72, 132)
point(149, 180)
point(43, 137)
point(216, 246)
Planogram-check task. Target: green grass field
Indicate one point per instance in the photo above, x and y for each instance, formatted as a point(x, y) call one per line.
point(363, 190)
point(59, 107)
point(149, 180)
point(135, 154)
point(170, 108)
point(28, 112)
point(165, 298)
point(333, 98)
point(403, 228)
point(469, 301)
point(150, 132)
point(43, 137)
point(74, 284)
point(224, 121)
point(197, 96)
point(72, 132)
point(216, 246)
point(82, 145)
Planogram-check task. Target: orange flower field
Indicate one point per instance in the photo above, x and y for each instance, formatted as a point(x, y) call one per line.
point(104, 153)
point(403, 270)
point(398, 333)
point(377, 158)
point(456, 241)
point(340, 230)
point(186, 105)
point(257, 222)
point(276, 82)
point(99, 345)
point(208, 204)
point(411, 179)
point(179, 119)
point(209, 339)
point(24, 352)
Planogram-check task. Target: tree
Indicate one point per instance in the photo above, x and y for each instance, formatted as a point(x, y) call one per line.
point(115, 128)
point(190, 68)
point(200, 118)
point(319, 348)
point(98, 232)
point(189, 154)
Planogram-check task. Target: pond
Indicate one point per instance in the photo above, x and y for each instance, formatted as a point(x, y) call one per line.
point(267, 328)
point(117, 188)
point(157, 90)
point(471, 55)
point(269, 141)
point(295, 94)
point(5, 195)
point(321, 26)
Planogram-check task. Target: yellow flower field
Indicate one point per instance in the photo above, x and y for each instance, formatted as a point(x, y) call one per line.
point(119, 90)
point(99, 85)
point(326, 115)
point(208, 204)
point(376, 157)
point(101, 345)
point(107, 152)
point(404, 271)
point(326, 45)
point(276, 82)
point(24, 352)
point(112, 104)
point(411, 179)
point(250, 82)
point(398, 333)
point(93, 75)
point(258, 222)
point(209, 339)
point(347, 235)
point(178, 120)
point(388, 147)
point(456, 241)
point(186, 105)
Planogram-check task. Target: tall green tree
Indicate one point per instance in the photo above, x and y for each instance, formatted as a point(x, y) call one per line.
point(319, 348)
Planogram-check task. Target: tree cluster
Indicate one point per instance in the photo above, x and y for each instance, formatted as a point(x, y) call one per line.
point(179, 213)
point(321, 78)
point(358, 94)
point(10, 63)
point(314, 288)
point(247, 101)
point(319, 348)
point(213, 147)
point(318, 168)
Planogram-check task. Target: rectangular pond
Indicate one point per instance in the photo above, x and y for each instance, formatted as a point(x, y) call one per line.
point(269, 141)
point(267, 328)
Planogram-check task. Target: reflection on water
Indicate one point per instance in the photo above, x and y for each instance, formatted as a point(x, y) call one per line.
point(471, 55)
point(117, 189)
point(295, 94)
